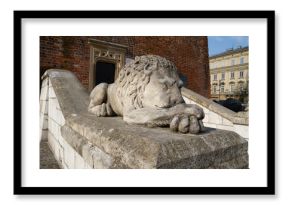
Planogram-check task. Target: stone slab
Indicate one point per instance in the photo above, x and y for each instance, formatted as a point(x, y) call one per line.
point(133, 146)
point(70, 93)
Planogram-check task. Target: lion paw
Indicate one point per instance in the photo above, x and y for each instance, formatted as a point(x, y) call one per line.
point(194, 110)
point(102, 110)
point(186, 124)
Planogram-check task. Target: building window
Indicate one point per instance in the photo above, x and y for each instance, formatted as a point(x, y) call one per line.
point(223, 76)
point(214, 89)
point(241, 74)
point(232, 88)
point(233, 62)
point(241, 60)
point(222, 88)
point(241, 86)
point(215, 77)
point(232, 75)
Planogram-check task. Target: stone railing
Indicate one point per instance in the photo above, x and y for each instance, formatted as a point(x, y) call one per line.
point(217, 116)
point(79, 139)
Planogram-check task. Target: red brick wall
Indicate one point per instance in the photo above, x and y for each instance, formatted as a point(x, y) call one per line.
point(189, 54)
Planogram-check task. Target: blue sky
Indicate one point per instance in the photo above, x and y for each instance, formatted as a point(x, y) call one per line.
point(219, 44)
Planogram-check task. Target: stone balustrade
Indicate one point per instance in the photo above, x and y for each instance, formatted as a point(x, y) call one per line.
point(217, 116)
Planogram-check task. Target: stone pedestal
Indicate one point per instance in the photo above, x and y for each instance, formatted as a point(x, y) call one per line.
point(110, 143)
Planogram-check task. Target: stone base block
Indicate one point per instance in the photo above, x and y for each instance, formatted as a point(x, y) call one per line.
point(110, 143)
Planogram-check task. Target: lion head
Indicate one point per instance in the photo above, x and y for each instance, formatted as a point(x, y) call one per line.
point(149, 81)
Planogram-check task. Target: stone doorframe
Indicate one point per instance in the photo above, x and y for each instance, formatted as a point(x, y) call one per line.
point(105, 52)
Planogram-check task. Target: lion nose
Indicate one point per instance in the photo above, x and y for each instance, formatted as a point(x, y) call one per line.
point(175, 100)
point(171, 100)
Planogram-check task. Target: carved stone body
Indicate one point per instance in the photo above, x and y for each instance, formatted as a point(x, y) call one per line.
point(147, 92)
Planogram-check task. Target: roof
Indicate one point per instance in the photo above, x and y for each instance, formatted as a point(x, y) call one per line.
point(230, 52)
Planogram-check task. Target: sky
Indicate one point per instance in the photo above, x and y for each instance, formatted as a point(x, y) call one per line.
point(219, 44)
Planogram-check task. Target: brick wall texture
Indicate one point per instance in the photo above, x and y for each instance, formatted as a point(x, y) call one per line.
point(189, 54)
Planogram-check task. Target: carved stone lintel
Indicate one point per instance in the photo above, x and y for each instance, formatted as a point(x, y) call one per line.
point(109, 54)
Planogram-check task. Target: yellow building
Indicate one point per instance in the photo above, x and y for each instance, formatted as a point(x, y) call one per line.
point(229, 74)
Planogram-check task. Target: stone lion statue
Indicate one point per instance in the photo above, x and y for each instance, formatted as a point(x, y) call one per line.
point(147, 92)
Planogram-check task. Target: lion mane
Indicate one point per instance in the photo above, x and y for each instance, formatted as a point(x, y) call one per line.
point(134, 77)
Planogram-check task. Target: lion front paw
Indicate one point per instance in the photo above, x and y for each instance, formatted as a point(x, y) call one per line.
point(186, 123)
point(195, 110)
point(102, 110)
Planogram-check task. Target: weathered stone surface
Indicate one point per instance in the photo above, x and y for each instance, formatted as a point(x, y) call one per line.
point(225, 127)
point(133, 146)
point(241, 130)
point(92, 155)
point(47, 160)
point(79, 162)
point(71, 95)
point(214, 118)
point(240, 162)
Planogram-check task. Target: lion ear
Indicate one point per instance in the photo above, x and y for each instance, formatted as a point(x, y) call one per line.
point(147, 72)
point(155, 66)
point(146, 69)
point(180, 83)
point(137, 59)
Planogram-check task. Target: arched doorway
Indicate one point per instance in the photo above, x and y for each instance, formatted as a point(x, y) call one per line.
point(106, 60)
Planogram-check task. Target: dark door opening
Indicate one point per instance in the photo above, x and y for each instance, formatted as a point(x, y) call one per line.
point(105, 72)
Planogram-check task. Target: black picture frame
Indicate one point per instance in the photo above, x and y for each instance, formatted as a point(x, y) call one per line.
point(19, 189)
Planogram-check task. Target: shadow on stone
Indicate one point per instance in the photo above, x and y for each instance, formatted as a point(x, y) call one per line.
point(47, 160)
